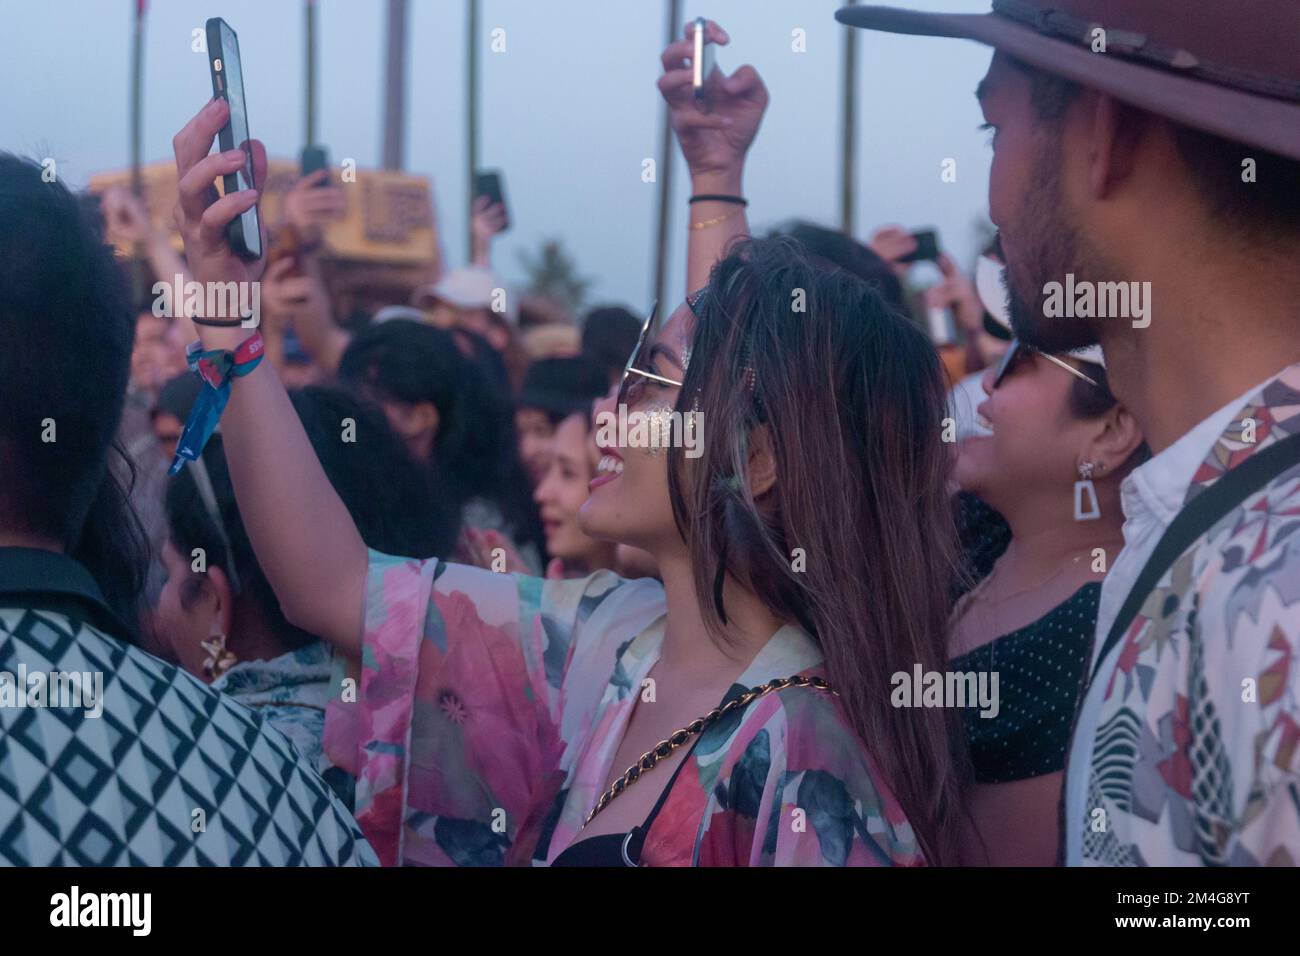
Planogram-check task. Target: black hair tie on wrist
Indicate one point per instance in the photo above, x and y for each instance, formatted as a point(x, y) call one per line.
point(719, 197)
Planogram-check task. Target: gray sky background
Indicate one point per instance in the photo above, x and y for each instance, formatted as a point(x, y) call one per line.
point(568, 111)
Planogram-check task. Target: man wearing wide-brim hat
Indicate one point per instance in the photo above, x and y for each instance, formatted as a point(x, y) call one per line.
point(1156, 143)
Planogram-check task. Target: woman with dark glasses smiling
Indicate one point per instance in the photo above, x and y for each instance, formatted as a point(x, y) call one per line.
point(1056, 447)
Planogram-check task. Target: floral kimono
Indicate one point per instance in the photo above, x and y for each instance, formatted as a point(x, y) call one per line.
point(1195, 742)
point(484, 721)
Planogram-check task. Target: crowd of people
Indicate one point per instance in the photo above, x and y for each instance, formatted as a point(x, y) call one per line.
point(1020, 598)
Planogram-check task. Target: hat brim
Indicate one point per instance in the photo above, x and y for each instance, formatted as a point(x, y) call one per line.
point(1260, 121)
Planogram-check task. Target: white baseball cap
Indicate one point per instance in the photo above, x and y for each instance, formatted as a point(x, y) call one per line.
point(473, 287)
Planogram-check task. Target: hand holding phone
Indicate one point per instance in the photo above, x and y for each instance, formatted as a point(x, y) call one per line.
point(927, 247)
point(488, 185)
point(203, 219)
point(244, 232)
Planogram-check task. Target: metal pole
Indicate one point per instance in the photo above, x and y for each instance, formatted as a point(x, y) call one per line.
point(138, 271)
point(395, 85)
point(849, 130)
point(137, 95)
point(309, 11)
point(471, 121)
point(665, 174)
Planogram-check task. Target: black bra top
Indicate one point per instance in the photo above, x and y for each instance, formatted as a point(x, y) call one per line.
point(619, 849)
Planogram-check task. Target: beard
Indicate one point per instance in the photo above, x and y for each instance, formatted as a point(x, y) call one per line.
point(1046, 245)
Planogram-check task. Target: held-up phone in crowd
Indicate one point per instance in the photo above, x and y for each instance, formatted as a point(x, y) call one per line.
point(244, 232)
point(488, 183)
point(704, 64)
point(927, 247)
point(314, 158)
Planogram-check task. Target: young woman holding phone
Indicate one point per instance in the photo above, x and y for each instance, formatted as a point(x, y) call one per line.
point(805, 557)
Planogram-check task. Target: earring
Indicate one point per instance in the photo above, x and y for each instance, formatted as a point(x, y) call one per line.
point(1084, 487)
point(219, 659)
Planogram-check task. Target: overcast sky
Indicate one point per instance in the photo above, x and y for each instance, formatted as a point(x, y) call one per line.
point(568, 111)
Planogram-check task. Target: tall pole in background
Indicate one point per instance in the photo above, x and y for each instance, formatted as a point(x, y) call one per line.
point(137, 95)
point(138, 270)
point(849, 130)
point(395, 85)
point(471, 121)
point(665, 169)
point(309, 81)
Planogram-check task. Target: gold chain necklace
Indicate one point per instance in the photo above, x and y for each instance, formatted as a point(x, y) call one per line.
point(662, 750)
point(976, 594)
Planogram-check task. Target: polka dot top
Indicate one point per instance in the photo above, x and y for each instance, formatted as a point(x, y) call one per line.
point(1040, 670)
point(1040, 667)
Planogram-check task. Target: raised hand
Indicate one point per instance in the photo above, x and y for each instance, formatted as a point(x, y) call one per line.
point(202, 216)
point(956, 292)
point(310, 206)
point(714, 142)
point(125, 218)
point(488, 219)
point(892, 243)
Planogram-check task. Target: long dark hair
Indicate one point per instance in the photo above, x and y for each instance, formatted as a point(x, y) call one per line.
point(66, 334)
point(853, 398)
point(385, 491)
point(475, 453)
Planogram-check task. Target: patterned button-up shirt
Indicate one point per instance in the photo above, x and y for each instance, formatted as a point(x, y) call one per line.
point(1190, 733)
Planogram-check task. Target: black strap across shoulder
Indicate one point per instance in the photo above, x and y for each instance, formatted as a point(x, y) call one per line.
point(1205, 510)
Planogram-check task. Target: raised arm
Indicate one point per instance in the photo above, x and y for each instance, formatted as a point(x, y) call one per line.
point(714, 144)
point(304, 537)
point(128, 221)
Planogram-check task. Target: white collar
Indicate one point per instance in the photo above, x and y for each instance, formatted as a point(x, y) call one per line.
point(1159, 486)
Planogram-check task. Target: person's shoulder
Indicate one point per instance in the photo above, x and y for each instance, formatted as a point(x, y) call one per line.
point(229, 762)
point(813, 728)
point(1248, 575)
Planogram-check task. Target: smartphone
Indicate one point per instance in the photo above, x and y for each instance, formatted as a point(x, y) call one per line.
point(244, 232)
point(488, 183)
point(314, 158)
point(703, 63)
point(927, 247)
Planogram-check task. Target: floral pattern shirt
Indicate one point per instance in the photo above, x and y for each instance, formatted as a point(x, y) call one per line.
point(290, 691)
point(1195, 746)
point(488, 709)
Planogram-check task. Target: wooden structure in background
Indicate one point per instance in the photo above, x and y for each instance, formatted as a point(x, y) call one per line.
point(384, 247)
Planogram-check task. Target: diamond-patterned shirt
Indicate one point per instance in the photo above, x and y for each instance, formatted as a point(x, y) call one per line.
point(170, 773)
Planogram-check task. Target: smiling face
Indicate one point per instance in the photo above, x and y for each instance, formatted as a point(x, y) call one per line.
point(563, 490)
point(1032, 192)
point(1035, 441)
point(629, 501)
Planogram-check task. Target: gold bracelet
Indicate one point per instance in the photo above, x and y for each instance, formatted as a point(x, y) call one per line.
point(705, 223)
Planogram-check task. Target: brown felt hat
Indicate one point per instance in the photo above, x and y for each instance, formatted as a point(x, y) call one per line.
point(1228, 67)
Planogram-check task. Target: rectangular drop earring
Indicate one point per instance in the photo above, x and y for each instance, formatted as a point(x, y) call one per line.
point(1084, 488)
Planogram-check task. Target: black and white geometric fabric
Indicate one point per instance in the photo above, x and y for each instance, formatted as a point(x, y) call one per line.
point(170, 774)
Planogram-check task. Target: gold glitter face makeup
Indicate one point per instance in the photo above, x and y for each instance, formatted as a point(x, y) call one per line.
point(659, 418)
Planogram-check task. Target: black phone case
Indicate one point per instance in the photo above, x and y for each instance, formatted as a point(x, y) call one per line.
point(927, 248)
point(226, 140)
point(489, 184)
point(313, 158)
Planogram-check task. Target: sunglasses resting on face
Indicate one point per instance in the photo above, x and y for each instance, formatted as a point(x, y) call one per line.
point(1019, 350)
